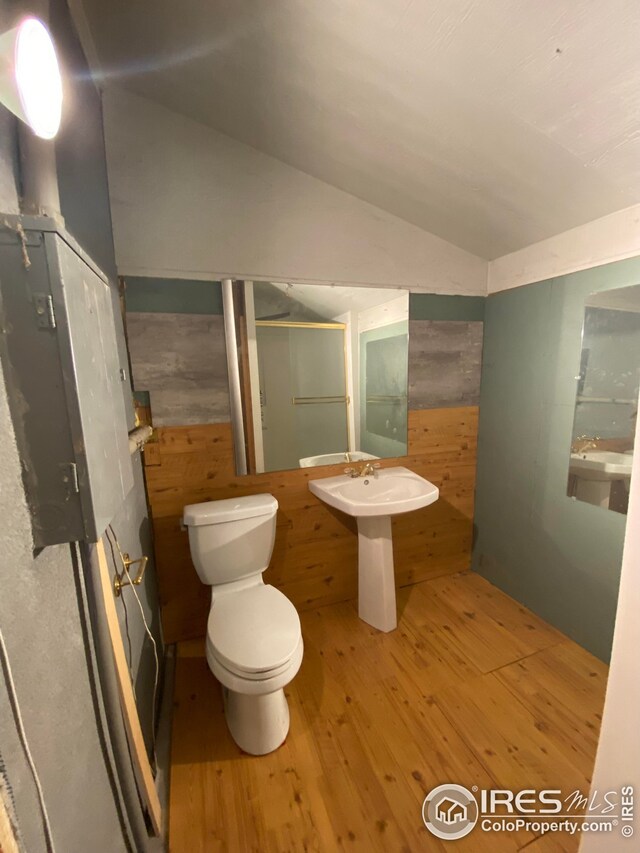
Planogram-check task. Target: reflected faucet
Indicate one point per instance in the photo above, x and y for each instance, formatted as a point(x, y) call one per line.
point(584, 443)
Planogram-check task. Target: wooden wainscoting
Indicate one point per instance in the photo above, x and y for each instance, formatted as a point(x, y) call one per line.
point(315, 556)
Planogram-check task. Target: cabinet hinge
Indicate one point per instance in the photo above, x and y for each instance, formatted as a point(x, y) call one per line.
point(70, 477)
point(45, 315)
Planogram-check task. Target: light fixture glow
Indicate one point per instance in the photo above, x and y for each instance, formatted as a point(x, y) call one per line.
point(31, 84)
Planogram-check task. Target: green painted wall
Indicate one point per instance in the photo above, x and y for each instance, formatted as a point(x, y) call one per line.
point(435, 306)
point(173, 296)
point(558, 556)
point(184, 296)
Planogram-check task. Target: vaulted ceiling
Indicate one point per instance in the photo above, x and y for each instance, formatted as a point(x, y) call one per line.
point(491, 123)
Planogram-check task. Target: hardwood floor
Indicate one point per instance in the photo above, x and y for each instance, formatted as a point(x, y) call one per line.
point(472, 688)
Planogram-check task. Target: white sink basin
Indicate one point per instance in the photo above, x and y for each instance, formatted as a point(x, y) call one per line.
point(335, 458)
point(601, 465)
point(392, 491)
point(373, 500)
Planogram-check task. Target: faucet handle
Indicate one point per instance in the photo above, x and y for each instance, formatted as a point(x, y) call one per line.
point(351, 472)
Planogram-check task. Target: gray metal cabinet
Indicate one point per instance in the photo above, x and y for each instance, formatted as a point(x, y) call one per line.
point(65, 381)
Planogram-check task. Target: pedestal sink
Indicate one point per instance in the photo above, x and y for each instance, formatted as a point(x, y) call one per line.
point(596, 470)
point(373, 499)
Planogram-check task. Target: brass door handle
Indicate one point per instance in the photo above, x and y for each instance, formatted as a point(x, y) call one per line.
point(118, 580)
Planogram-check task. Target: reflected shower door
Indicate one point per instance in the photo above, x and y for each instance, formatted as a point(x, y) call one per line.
point(303, 391)
point(319, 390)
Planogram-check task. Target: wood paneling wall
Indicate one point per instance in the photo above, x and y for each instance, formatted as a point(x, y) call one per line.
point(315, 556)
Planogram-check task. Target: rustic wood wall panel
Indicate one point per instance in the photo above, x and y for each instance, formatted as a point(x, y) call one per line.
point(315, 556)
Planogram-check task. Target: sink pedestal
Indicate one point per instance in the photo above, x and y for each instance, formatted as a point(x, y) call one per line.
point(376, 578)
point(596, 492)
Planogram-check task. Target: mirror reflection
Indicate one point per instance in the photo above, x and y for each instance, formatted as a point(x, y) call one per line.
point(606, 400)
point(323, 374)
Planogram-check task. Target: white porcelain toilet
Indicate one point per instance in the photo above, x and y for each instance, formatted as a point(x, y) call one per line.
point(254, 642)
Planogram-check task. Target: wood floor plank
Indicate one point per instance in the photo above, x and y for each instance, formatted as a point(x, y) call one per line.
point(407, 754)
point(349, 764)
point(552, 842)
point(471, 592)
point(516, 748)
point(428, 752)
point(378, 720)
point(506, 736)
point(561, 696)
point(484, 636)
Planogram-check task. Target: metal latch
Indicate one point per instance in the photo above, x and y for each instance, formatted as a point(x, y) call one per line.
point(70, 477)
point(43, 303)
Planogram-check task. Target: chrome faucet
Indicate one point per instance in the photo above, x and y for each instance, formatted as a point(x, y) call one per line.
point(366, 471)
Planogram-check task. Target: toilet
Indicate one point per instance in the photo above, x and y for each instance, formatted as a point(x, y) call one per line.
point(254, 642)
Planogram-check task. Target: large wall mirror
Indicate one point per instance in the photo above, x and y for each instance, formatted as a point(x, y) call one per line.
point(606, 400)
point(322, 374)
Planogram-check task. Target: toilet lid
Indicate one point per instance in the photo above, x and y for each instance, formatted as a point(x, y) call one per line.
point(253, 630)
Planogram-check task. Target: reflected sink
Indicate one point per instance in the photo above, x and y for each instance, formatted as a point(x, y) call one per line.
point(373, 500)
point(601, 465)
point(335, 458)
point(389, 492)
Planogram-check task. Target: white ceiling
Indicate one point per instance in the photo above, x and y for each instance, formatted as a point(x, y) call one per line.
point(620, 299)
point(491, 123)
point(334, 300)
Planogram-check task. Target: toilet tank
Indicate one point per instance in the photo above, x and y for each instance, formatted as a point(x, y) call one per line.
point(231, 539)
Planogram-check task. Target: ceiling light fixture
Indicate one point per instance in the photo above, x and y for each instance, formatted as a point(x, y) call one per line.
point(30, 79)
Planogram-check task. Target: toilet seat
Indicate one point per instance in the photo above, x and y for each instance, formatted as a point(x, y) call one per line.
point(253, 633)
point(257, 677)
point(258, 683)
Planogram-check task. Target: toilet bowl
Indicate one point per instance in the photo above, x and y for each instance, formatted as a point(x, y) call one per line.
point(254, 644)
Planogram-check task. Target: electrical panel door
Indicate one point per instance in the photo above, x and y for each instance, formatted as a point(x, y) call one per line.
point(65, 381)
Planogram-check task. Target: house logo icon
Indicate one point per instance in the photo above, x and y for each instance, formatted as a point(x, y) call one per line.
point(450, 812)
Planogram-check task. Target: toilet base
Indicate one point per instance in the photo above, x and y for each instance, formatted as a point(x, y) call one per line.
point(258, 724)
